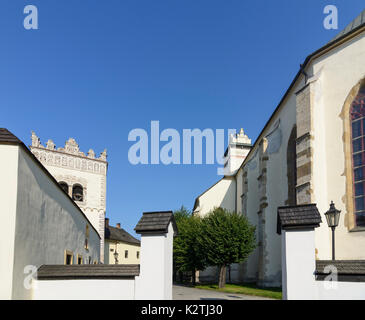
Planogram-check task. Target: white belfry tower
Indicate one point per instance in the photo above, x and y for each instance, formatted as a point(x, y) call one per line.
point(82, 176)
point(238, 148)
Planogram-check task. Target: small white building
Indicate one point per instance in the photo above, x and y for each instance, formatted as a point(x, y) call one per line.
point(41, 224)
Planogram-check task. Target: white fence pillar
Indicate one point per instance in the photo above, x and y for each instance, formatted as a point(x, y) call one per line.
point(296, 225)
point(157, 230)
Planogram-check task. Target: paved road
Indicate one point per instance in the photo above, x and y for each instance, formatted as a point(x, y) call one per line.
point(187, 293)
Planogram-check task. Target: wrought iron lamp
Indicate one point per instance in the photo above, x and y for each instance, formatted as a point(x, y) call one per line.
point(116, 257)
point(333, 217)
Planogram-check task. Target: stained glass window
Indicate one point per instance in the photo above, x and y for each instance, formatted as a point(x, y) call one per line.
point(357, 117)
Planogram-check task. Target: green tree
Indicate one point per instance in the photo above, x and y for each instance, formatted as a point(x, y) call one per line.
point(188, 252)
point(226, 237)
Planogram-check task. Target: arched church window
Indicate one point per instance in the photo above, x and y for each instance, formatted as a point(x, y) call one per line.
point(77, 193)
point(64, 186)
point(291, 161)
point(357, 118)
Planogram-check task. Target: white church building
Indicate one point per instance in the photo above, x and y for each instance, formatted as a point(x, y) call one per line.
point(311, 151)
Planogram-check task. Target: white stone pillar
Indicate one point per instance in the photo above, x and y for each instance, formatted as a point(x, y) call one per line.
point(155, 279)
point(298, 264)
point(296, 225)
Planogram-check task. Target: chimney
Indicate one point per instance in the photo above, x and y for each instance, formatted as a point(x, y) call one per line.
point(106, 222)
point(118, 225)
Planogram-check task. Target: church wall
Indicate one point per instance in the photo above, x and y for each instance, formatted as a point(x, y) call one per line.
point(267, 170)
point(93, 190)
point(239, 186)
point(250, 209)
point(220, 195)
point(47, 224)
point(8, 191)
point(277, 189)
point(342, 70)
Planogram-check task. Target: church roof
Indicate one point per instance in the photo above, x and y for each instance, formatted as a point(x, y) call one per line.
point(119, 234)
point(156, 222)
point(358, 22)
point(356, 25)
point(87, 271)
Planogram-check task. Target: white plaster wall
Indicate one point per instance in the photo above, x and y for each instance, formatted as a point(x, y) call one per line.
point(8, 200)
point(299, 264)
point(47, 223)
point(150, 281)
point(343, 68)
point(168, 264)
point(299, 282)
point(93, 206)
point(329, 290)
point(277, 190)
point(89, 289)
point(253, 196)
point(239, 186)
point(220, 195)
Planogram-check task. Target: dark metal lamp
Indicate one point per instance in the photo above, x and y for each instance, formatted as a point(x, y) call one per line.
point(333, 217)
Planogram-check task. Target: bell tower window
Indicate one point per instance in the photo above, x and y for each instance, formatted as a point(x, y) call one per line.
point(77, 193)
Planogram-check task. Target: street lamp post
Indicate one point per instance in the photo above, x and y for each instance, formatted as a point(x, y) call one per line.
point(333, 217)
point(116, 257)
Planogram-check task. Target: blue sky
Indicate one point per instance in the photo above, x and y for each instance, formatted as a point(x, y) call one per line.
point(94, 70)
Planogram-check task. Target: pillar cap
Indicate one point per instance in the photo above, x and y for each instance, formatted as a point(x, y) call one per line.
point(156, 223)
point(298, 217)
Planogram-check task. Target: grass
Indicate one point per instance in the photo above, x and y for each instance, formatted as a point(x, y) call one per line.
point(247, 288)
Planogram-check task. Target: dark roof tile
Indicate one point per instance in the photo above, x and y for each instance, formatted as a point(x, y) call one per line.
point(120, 234)
point(348, 267)
point(156, 222)
point(87, 271)
point(6, 137)
point(298, 217)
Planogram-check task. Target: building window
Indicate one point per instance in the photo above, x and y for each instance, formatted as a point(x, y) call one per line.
point(68, 257)
point(79, 259)
point(291, 165)
point(77, 193)
point(126, 254)
point(137, 254)
point(357, 118)
point(64, 186)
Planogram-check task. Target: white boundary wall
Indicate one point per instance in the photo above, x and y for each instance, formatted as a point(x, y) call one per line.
point(153, 283)
point(298, 272)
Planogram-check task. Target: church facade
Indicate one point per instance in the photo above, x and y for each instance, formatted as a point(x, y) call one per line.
point(312, 150)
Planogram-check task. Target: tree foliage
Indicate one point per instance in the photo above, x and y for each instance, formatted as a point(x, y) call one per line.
point(188, 252)
point(219, 239)
point(227, 237)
